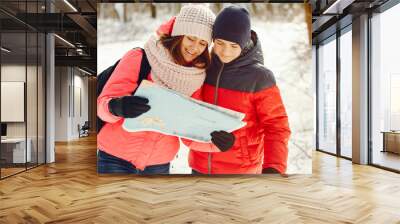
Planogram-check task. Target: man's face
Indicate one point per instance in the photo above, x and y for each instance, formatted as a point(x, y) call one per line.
point(226, 51)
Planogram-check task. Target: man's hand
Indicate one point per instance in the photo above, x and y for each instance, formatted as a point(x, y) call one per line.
point(223, 140)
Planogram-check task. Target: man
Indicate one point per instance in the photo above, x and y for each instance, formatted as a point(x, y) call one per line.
point(238, 80)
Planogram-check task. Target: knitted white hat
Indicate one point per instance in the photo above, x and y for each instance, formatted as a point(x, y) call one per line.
point(194, 20)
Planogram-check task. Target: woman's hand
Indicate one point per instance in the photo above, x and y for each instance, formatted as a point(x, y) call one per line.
point(128, 106)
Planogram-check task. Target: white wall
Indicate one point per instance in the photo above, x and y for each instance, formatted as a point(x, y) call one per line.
point(16, 73)
point(70, 83)
point(33, 126)
point(80, 84)
point(12, 100)
point(61, 103)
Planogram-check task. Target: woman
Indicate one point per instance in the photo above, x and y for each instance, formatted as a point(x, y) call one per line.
point(238, 80)
point(178, 61)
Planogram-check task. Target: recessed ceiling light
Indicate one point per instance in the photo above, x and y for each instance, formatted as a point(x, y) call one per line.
point(64, 40)
point(84, 71)
point(5, 50)
point(70, 5)
point(337, 7)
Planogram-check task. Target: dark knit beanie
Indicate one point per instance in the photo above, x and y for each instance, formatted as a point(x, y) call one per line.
point(233, 24)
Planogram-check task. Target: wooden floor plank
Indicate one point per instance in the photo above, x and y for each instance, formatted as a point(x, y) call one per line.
point(70, 191)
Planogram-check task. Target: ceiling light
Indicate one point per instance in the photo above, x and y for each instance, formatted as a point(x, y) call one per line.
point(5, 50)
point(84, 71)
point(80, 51)
point(337, 7)
point(65, 41)
point(70, 5)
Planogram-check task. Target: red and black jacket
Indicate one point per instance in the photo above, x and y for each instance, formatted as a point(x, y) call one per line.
point(247, 86)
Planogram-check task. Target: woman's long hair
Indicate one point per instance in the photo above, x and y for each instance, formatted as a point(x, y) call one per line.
point(173, 44)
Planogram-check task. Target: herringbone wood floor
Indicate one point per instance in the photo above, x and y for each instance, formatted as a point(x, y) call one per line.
point(70, 191)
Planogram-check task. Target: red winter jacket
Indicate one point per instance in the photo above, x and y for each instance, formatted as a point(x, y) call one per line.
point(142, 148)
point(245, 85)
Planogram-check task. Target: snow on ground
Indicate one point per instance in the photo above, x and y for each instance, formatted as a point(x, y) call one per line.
point(286, 53)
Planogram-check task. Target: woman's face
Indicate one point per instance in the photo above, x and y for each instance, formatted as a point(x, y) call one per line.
point(226, 51)
point(192, 47)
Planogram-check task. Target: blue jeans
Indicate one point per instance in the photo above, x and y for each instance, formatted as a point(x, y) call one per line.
point(107, 163)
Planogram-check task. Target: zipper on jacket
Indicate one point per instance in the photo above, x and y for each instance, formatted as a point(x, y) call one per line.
point(215, 103)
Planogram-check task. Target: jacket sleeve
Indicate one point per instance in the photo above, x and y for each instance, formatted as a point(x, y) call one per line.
point(122, 82)
point(199, 146)
point(272, 116)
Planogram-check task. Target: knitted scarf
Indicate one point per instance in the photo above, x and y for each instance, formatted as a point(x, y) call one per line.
point(167, 73)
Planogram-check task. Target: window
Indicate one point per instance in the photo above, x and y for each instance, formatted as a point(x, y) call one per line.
point(346, 92)
point(327, 96)
point(385, 88)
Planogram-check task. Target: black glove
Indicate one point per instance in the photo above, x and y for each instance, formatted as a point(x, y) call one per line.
point(223, 140)
point(128, 106)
